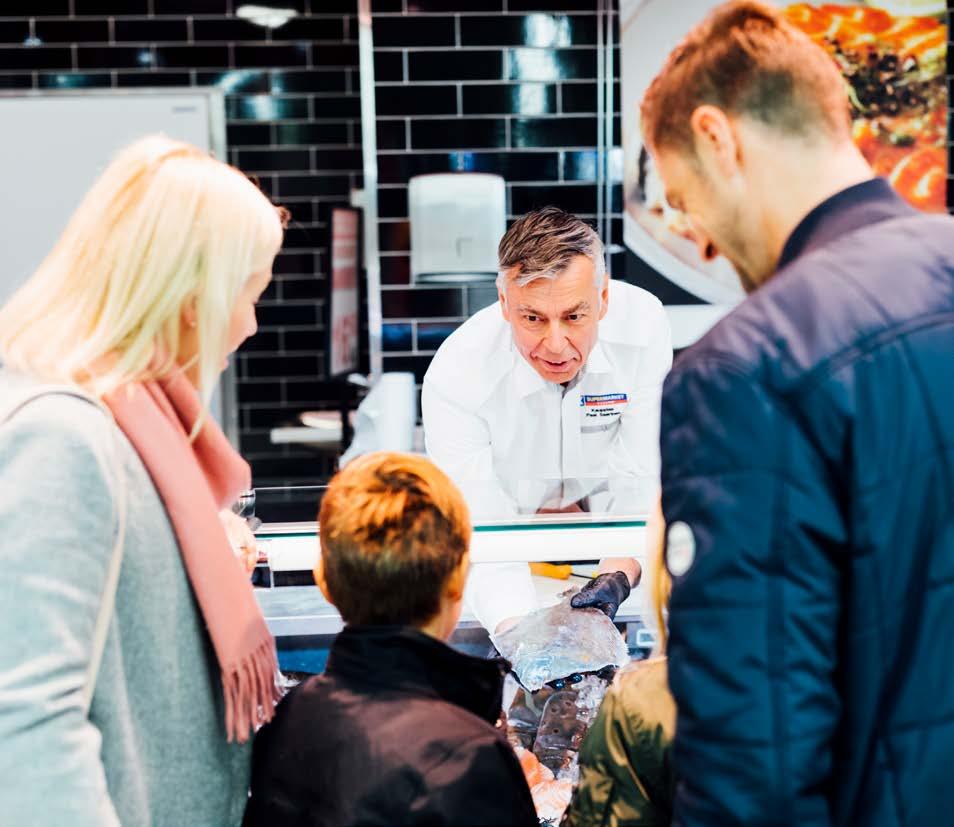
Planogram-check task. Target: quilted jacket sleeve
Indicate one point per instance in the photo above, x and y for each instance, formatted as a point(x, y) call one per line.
point(754, 610)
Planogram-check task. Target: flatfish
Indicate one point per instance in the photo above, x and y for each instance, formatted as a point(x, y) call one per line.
point(559, 641)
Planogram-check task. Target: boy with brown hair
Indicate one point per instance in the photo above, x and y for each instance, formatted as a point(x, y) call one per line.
point(400, 727)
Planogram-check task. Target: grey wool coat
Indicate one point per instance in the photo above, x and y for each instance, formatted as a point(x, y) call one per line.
point(153, 749)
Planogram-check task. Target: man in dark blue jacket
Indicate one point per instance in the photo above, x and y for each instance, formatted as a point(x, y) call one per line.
point(808, 453)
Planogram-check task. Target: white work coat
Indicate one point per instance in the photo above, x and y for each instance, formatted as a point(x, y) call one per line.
point(515, 443)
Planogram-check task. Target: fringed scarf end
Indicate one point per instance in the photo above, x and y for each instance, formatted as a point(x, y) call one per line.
point(252, 689)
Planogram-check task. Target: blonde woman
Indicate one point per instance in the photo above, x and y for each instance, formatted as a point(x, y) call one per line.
point(625, 765)
point(130, 320)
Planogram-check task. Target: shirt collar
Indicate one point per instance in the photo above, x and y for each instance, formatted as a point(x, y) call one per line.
point(597, 361)
point(529, 381)
point(857, 206)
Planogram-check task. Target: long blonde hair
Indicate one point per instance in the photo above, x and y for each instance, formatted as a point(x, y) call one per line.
point(163, 225)
point(660, 583)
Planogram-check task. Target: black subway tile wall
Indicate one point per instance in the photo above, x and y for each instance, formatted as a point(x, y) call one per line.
point(477, 133)
point(140, 29)
point(514, 99)
point(501, 86)
point(99, 8)
point(480, 86)
point(71, 31)
point(293, 124)
point(451, 65)
point(22, 8)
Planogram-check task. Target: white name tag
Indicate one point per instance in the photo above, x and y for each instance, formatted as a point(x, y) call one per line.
point(603, 406)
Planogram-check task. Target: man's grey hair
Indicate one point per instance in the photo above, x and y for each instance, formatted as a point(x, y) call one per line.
point(542, 244)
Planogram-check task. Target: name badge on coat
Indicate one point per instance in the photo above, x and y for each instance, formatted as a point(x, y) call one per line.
point(603, 407)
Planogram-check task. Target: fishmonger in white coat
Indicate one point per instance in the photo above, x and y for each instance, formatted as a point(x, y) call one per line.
point(536, 401)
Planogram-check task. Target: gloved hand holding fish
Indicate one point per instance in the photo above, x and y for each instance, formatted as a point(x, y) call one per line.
point(606, 592)
point(559, 641)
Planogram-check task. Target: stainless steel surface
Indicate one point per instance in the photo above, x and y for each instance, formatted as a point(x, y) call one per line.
point(601, 202)
point(293, 611)
point(607, 124)
point(369, 150)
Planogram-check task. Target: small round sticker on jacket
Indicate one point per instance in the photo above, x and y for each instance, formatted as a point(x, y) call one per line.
point(680, 549)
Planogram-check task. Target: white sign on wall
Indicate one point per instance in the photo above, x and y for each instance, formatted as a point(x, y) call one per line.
point(343, 316)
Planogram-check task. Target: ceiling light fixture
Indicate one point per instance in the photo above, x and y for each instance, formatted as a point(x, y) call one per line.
point(265, 16)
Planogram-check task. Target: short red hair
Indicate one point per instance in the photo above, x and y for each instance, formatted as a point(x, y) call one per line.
point(746, 59)
point(392, 529)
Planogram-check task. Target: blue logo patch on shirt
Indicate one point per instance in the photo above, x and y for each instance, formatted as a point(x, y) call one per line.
point(603, 400)
point(605, 407)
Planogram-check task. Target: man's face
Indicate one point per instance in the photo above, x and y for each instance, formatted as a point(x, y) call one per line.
point(722, 214)
point(555, 322)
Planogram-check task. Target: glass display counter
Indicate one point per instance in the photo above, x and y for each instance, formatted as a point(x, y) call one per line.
point(561, 533)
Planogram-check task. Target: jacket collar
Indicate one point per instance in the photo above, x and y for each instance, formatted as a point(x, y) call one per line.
point(400, 657)
point(851, 209)
point(529, 381)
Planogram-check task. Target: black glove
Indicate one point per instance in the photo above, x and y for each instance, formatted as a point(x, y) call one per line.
point(604, 592)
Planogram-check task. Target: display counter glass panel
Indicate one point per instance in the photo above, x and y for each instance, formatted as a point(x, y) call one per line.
point(608, 520)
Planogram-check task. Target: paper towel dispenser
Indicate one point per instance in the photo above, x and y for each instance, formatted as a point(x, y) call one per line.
point(457, 221)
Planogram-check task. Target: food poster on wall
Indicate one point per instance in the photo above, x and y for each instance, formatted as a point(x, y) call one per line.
point(892, 56)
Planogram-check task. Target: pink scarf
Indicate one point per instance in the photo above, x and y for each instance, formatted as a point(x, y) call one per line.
point(195, 481)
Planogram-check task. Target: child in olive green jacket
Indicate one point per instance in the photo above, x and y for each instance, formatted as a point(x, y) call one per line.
point(625, 760)
point(625, 770)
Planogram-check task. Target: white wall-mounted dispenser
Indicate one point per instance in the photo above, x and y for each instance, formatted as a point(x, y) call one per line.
point(457, 221)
